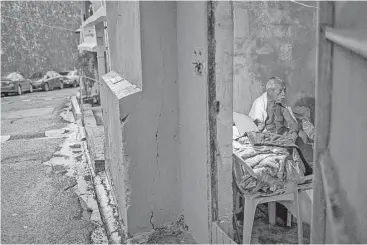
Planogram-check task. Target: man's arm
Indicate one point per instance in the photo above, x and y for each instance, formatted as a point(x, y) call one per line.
point(292, 123)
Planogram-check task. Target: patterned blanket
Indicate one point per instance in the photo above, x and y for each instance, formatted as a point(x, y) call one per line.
point(274, 159)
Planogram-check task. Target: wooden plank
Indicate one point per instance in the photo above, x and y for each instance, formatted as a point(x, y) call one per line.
point(352, 39)
point(322, 117)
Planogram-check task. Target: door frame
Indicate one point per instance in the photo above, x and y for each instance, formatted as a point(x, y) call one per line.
point(220, 41)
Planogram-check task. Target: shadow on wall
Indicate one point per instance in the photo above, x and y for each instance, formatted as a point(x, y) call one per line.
point(308, 102)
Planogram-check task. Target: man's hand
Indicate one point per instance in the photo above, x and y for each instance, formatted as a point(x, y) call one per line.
point(294, 136)
point(292, 123)
point(261, 126)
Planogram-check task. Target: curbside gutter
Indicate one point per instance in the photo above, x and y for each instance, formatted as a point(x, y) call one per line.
point(106, 203)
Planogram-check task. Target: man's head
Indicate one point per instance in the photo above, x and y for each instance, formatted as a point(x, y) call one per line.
point(275, 87)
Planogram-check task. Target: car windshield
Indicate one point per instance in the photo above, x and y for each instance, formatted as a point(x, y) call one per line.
point(64, 73)
point(11, 76)
point(36, 75)
point(49, 74)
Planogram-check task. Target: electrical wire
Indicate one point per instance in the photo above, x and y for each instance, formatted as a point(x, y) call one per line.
point(54, 27)
point(305, 5)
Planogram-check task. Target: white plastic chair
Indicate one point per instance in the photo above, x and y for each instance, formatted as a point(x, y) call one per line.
point(250, 203)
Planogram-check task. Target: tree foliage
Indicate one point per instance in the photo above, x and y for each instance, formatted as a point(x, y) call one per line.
point(34, 36)
point(87, 63)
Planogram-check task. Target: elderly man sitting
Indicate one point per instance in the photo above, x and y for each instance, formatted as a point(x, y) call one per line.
point(269, 113)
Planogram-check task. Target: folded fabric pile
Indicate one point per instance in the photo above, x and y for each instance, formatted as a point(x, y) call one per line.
point(275, 161)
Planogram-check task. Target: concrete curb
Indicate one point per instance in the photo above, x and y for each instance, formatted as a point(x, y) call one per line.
point(75, 108)
point(106, 203)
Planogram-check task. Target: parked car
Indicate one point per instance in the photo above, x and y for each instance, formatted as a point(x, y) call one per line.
point(64, 73)
point(47, 81)
point(14, 82)
point(71, 79)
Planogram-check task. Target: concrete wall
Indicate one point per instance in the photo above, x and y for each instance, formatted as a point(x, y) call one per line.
point(113, 145)
point(194, 143)
point(348, 119)
point(124, 37)
point(147, 161)
point(274, 39)
point(160, 165)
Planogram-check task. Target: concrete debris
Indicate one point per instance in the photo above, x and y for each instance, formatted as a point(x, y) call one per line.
point(141, 238)
point(4, 138)
point(67, 162)
point(75, 145)
point(176, 233)
point(55, 133)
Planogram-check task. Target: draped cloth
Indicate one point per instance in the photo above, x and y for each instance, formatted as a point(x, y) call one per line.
point(275, 160)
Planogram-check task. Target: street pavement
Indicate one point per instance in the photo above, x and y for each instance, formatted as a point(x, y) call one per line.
point(46, 190)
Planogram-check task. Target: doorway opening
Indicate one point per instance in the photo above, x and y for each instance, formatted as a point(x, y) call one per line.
point(271, 39)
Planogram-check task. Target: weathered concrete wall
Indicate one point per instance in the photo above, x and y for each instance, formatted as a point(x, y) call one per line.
point(194, 141)
point(148, 155)
point(348, 119)
point(113, 145)
point(274, 39)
